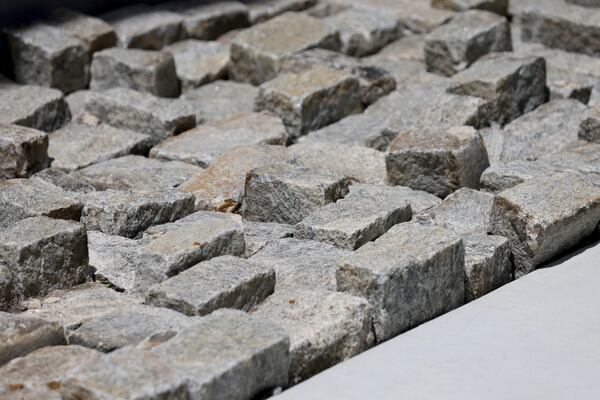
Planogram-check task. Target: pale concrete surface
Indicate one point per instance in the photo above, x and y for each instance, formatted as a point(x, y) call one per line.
point(536, 338)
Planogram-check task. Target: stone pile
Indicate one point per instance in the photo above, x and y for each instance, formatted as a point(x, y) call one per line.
point(218, 201)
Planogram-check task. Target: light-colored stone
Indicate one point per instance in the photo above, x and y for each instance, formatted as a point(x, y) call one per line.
point(589, 129)
point(258, 234)
point(94, 33)
point(23, 151)
point(488, 264)
point(262, 10)
point(76, 102)
point(496, 6)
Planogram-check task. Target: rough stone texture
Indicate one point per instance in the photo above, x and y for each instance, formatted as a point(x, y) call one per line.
point(488, 264)
point(44, 254)
point(33, 106)
point(363, 31)
point(438, 164)
point(142, 112)
point(513, 85)
point(257, 52)
point(226, 98)
point(466, 38)
point(504, 175)
point(76, 102)
point(325, 328)
point(287, 193)
point(258, 234)
point(312, 99)
point(80, 144)
point(302, 264)
point(143, 70)
point(589, 129)
point(203, 144)
point(495, 6)
point(362, 216)
point(23, 151)
point(585, 3)
point(143, 27)
point(221, 186)
point(199, 62)
point(195, 238)
point(409, 286)
point(262, 10)
point(119, 263)
point(136, 172)
point(21, 335)
point(541, 223)
point(47, 56)
point(222, 282)
point(128, 213)
point(23, 198)
point(70, 181)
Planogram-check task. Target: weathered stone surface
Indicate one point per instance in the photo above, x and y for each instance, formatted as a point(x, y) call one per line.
point(70, 181)
point(488, 264)
point(312, 99)
point(325, 328)
point(76, 102)
point(119, 262)
point(94, 33)
point(356, 163)
point(142, 112)
point(466, 38)
point(205, 143)
point(409, 286)
point(504, 175)
point(7, 287)
point(128, 213)
point(405, 70)
point(221, 186)
point(585, 3)
point(23, 151)
point(437, 163)
point(257, 52)
point(287, 193)
point(44, 254)
point(47, 56)
point(541, 223)
point(362, 216)
point(21, 335)
point(302, 264)
point(143, 27)
point(229, 354)
point(258, 234)
point(80, 144)
point(137, 172)
point(589, 129)
point(143, 70)
point(199, 62)
point(33, 106)
point(495, 6)
point(226, 98)
point(513, 85)
point(222, 282)
point(364, 31)
point(195, 238)
point(262, 10)
point(23, 198)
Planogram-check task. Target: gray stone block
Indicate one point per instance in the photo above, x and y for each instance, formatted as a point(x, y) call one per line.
point(258, 234)
point(496, 6)
point(589, 129)
point(208, 21)
point(76, 102)
point(199, 62)
point(23, 151)
point(94, 33)
point(488, 264)
point(504, 175)
point(585, 3)
point(419, 200)
point(262, 10)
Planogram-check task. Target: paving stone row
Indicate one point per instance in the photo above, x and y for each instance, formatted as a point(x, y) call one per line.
point(221, 200)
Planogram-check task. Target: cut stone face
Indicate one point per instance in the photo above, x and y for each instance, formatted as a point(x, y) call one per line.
point(143, 70)
point(360, 217)
point(143, 27)
point(504, 175)
point(199, 62)
point(221, 99)
point(287, 193)
point(23, 151)
point(257, 52)
point(203, 144)
point(128, 213)
point(302, 264)
point(222, 282)
point(33, 106)
point(221, 186)
point(44, 254)
point(541, 223)
point(495, 6)
point(76, 102)
point(21, 335)
point(409, 286)
point(325, 328)
point(311, 99)
point(23, 198)
point(513, 85)
point(208, 21)
point(195, 238)
point(79, 144)
point(262, 10)
point(142, 112)
point(258, 234)
point(589, 129)
point(365, 31)
point(119, 262)
point(488, 264)
point(230, 354)
point(141, 173)
point(405, 71)
point(47, 56)
point(466, 38)
point(437, 163)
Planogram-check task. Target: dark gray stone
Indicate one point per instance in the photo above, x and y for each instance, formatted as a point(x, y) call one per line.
point(23, 151)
